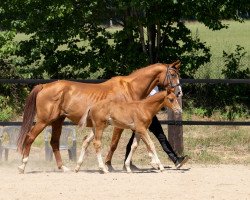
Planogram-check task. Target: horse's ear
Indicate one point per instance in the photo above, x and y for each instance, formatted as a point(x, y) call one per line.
point(176, 64)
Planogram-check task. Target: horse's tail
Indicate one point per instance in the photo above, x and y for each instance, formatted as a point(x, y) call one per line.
point(28, 116)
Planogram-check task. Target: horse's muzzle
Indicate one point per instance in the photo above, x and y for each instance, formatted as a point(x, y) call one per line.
point(178, 111)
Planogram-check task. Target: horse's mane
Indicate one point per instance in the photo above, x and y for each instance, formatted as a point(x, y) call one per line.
point(144, 69)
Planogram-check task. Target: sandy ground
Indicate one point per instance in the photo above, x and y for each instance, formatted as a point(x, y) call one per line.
point(193, 182)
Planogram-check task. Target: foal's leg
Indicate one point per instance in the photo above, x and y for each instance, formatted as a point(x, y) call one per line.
point(130, 155)
point(115, 139)
point(85, 145)
point(98, 145)
point(30, 137)
point(151, 148)
point(55, 143)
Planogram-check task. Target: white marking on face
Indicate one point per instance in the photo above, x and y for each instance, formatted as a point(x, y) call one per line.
point(178, 90)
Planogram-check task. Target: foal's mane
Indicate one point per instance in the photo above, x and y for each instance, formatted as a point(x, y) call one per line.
point(156, 96)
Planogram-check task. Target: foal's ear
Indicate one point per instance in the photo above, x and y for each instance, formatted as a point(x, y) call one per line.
point(169, 91)
point(176, 64)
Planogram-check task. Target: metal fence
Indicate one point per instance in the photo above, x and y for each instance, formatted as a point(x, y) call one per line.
point(168, 122)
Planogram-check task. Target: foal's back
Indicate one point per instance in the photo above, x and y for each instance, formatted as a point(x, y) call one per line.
point(126, 115)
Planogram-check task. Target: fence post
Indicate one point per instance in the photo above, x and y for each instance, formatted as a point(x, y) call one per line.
point(175, 132)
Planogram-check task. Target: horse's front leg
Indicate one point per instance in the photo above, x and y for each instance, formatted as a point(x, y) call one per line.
point(85, 145)
point(114, 142)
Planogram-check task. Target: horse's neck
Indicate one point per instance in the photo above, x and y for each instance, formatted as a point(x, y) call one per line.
point(144, 82)
point(154, 103)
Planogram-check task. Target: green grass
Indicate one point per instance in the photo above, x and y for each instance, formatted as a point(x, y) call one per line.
point(217, 145)
point(223, 40)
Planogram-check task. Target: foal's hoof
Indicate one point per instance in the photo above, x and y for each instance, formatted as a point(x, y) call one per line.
point(161, 168)
point(77, 168)
point(103, 170)
point(154, 165)
point(129, 171)
point(20, 169)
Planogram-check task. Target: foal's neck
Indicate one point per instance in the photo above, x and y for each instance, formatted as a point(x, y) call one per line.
point(154, 103)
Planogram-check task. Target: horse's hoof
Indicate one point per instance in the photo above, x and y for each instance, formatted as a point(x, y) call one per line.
point(65, 169)
point(20, 169)
point(110, 168)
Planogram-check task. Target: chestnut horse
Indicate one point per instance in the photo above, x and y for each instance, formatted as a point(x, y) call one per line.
point(134, 115)
point(51, 103)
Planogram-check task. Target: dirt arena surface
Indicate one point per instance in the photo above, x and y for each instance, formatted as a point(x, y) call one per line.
point(192, 182)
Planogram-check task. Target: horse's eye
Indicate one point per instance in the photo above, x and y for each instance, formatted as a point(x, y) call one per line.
point(171, 100)
point(173, 75)
point(178, 94)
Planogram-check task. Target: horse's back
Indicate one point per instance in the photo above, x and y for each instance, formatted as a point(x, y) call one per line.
point(68, 98)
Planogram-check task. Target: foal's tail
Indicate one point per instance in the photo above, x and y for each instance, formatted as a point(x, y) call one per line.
point(28, 116)
point(83, 120)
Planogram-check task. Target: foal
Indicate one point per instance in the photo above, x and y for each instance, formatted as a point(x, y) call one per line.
point(135, 115)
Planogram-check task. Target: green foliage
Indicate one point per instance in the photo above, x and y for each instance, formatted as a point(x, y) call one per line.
point(6, 110)
point(152, 31)
point(232, 100)
point(11, 96)
point(68, 39)
point(233, 64)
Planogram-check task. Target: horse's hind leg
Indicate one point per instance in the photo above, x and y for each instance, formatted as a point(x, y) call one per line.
point(30, 137)
point(55, 142)
point(115, 139)
point(85, 145)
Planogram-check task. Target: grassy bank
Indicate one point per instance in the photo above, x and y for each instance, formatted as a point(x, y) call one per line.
point(219, 41)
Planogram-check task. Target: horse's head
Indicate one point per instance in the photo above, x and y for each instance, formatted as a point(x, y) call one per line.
point(171, 102)
point(171, 79)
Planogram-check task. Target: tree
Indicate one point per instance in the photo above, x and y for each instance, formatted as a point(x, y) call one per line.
point(67, 39)
point(11, 96)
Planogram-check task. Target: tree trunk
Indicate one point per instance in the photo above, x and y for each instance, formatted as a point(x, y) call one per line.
point(151, 31)
point(142, 39)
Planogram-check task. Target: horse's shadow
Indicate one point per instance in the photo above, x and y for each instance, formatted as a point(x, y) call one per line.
point(94, 171)
point(138, 171)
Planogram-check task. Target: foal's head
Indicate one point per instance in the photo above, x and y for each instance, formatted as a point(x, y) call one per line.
point(171, 80)
point(170, 101)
